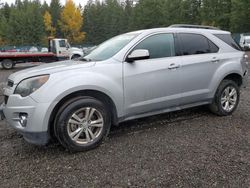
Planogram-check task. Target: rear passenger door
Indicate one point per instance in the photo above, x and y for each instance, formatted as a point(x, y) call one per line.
point(198, 64)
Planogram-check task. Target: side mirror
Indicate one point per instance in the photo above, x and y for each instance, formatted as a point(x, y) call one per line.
point(138, 55)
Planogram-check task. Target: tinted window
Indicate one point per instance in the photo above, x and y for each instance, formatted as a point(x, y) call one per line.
point(229, 40)
point(213, 47)
point(159, 46)
point(196, 44)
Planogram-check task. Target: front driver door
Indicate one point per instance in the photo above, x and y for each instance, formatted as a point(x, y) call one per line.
point(153, 84)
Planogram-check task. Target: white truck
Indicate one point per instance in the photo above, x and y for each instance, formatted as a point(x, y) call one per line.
point(59, 49)
point(245, 41)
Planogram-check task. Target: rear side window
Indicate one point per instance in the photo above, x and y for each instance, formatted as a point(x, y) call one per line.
point(213, 47)
point(192, 44)
point(227, 38)
point(159, 45)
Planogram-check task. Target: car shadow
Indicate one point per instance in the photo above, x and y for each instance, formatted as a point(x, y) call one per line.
point(158, 120)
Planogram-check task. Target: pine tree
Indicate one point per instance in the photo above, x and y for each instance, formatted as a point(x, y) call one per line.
point(55, 12)
point(25, 24)
point(216, 13)
point(240, 16)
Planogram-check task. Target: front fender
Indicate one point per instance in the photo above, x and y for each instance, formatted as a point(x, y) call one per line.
point(61, 86)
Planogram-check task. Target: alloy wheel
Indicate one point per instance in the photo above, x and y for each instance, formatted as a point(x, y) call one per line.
point(85, 125)
point(229, 98)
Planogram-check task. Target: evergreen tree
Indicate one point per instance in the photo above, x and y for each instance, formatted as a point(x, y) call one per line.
point(55, 10)
point(240, 17)
point(25, 25)
point(216, 13)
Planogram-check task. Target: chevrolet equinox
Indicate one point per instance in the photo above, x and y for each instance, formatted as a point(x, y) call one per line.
point(130, 76)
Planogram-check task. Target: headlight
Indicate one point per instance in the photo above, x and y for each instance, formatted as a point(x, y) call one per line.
point(30, 85)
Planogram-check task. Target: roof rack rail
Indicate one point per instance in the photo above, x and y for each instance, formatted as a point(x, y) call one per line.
point(193, 26)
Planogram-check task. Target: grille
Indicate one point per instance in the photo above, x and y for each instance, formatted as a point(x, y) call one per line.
point(10, 83)
point(6, 99)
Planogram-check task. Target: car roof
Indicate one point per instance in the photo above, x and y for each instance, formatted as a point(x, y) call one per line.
point(176, 30)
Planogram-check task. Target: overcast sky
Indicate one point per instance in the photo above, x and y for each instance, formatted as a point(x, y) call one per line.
point(77, 2)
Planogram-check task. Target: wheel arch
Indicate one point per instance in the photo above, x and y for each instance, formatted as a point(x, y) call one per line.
point(216, 81)
point(90, 93)
point(237, 78)
point(76, 55)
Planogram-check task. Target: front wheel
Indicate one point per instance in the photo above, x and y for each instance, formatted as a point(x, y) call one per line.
point(7, 64)
point(82, 124)
point(226, 99)
point(75, 57)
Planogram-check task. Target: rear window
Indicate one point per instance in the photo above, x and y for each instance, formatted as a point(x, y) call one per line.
point(227, 38)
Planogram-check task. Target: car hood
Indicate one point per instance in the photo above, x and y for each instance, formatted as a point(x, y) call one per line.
point(49, 69)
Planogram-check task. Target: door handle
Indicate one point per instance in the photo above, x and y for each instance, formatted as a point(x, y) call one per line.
point(173, 66)
point(215, 60)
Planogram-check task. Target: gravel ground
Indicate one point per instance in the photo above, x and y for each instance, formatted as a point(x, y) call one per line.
point(190, 148)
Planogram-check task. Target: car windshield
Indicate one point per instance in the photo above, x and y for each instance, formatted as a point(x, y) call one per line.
point(109, 48)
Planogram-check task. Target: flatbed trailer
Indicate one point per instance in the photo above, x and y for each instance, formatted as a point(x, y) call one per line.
point(10, 59)
point(59, 49)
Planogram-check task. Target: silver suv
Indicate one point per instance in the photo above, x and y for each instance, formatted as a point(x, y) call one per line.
point(130, 76)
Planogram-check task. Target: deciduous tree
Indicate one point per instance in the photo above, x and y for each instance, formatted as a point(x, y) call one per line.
point(48, 24)
point(71, 22)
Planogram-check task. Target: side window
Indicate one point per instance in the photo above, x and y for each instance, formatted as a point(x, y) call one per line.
point(62, 43)
point(53, 49)
point(196, 44)
point(159, 45)
point(213, 47)
point(227, 38)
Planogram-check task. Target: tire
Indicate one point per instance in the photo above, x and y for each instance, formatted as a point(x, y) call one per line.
point(7, 64)
point(223, 104)
point(72, 119)
point(75, 56)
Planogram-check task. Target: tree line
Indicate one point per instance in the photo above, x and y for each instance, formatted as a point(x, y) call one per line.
point(30, 22)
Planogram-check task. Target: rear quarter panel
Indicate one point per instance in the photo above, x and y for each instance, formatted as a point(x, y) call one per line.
point(230, 63)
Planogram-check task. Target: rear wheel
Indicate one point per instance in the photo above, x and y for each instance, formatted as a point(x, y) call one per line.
point(226, 99)
point(82, 124)
point(7, 64)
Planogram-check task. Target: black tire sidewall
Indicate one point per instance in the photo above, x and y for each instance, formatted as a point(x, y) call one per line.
point(75, 56)
point(9, 61)
point(63, 117)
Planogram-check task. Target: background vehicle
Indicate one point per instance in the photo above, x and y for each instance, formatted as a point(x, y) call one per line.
point(130, 76)
point(59, 49)
point(245, 42)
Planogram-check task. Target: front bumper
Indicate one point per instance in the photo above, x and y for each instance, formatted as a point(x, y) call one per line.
point(35, 130)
